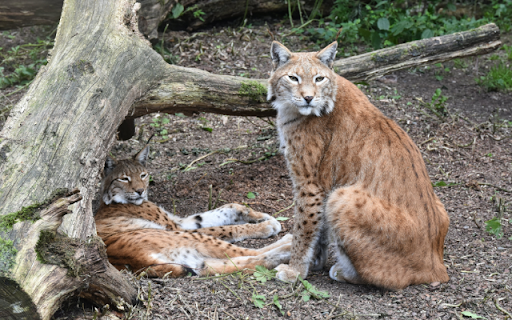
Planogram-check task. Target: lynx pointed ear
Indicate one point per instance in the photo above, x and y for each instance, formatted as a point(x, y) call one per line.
point(142, 156)
point(328, 54)
point(280, 54)
point(110, 163)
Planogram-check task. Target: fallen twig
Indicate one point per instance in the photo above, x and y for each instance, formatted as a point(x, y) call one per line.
point(200, 158)
point(500, 308)
point(494, 186)
point(283, 210)
point(466, 145)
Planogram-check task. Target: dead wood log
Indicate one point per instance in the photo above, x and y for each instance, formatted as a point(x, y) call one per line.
point(23, 13)
point(194, 90)
point(56, 138)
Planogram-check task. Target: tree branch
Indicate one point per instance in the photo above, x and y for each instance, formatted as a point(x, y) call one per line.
point(193, 90)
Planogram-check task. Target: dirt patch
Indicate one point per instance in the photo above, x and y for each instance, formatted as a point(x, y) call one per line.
point(470, 151)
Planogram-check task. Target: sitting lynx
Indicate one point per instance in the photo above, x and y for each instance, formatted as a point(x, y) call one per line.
point(143, 236)
point(358, 179)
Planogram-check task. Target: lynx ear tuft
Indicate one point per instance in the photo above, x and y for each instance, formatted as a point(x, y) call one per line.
point(142, 156)
point(328, 54)
point(110, 164)
point(280, 54)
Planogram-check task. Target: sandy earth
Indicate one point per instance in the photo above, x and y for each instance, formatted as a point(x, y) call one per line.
point(471, 149)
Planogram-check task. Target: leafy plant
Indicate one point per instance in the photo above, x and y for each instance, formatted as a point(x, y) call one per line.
point(438, 104)
point(159, 123)
point(385, 23)
point(258, 300)
point(311, 291)
point(20, 64)
point(251, 195)
point(494, 226)
point(262, 274)
point(499, 77)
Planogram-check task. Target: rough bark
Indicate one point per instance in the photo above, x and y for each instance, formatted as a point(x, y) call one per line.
point(57, 135)
point(193, 90)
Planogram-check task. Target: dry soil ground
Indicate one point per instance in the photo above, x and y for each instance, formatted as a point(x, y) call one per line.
point(470, 151)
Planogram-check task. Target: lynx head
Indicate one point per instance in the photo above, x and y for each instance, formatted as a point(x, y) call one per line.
point(126, 181)
point(302, 82)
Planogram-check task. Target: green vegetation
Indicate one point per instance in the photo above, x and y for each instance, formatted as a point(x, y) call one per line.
point(25, 214)
point(159, 123)
point(499, 77)
point(386, 23)
point(494, 226)
point(7, 255)
point(254, 90)
point(438, 105)
point(20, 64)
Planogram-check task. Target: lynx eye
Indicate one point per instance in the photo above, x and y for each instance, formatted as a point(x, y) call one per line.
point(143, 175)
point(124, 179)
point(294, 79)
point(319, 79)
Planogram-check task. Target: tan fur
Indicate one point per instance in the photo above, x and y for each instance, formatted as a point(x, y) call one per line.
point(358, 179)
point(142, 236)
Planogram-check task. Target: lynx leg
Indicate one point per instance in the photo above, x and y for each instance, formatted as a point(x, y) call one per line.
point(228, 214)
point(307, 231)
point(385, 244)
point(269, 260)
point(234, 233)
point(321, 250)
point(343, 270)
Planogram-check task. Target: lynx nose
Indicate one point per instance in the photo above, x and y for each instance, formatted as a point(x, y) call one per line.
point(308, 99)
point(140, 191)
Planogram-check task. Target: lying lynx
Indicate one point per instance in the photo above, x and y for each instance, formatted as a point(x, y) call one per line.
point(142, 236)
point(358, 179)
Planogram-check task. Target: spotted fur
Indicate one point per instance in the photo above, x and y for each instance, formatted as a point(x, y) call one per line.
point(360, 182)
point(140, 235)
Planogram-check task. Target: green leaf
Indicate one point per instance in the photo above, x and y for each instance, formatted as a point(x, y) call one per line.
point(164, 131)
point(275, 301)
point(282, 218)
point(207, 129)
point(258, 300)
point(376, 40)
point(471, 315)
point(383, 23)
point(251, 195)
point(451, 7)
point(165, 120)
point(427, 33)
point(181, 115)
point(262, 274)
point(494, 227)
point(440, 184)
point(177, 10)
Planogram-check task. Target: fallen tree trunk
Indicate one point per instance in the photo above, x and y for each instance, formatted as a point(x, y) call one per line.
point(56, 138)
point(194, 90)
point(23, 13)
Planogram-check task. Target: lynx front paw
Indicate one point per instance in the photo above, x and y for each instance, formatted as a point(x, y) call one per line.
point(286, 273)
point(272, 227)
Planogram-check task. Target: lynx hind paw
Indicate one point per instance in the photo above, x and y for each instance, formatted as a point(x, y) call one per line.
point(278, 256)
point(253, 216)
point(286, 273)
